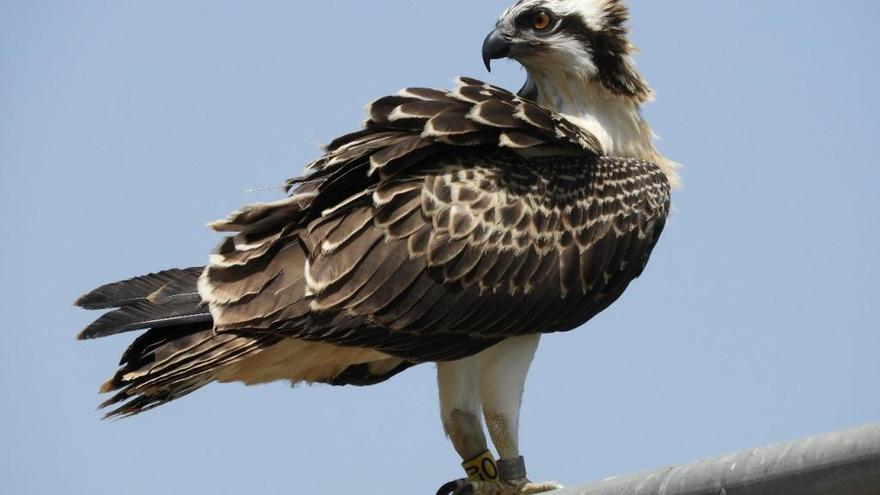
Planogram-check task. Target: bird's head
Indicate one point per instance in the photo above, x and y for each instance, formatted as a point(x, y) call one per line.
point(565, 41)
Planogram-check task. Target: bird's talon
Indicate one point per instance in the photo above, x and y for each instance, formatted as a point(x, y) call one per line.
point(530, 488)
point(452, 487)
point(515, 487)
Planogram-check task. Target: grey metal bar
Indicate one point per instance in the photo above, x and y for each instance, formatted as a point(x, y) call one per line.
point(842, 463)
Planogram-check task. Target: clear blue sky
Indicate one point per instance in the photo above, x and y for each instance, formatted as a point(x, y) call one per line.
point(127, 125)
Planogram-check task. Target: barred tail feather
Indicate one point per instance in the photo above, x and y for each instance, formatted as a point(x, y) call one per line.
point(179, 353)
point(167, 363)
point(156, 300)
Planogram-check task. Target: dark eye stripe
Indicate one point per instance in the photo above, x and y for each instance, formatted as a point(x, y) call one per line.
point(609, 52)
point(575, 26)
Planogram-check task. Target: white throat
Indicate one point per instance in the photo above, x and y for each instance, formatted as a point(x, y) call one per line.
point(616, 121)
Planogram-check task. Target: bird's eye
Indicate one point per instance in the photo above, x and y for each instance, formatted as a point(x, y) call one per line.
point(542, 20)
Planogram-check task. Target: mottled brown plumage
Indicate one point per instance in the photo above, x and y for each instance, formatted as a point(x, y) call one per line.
point(451, 221)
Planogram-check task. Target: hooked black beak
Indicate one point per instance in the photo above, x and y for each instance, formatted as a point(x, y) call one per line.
point(496, 46)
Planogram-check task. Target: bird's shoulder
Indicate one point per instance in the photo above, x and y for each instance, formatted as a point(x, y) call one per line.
point(409, 132)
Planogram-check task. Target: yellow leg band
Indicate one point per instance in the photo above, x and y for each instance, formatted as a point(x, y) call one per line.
point(481, 468)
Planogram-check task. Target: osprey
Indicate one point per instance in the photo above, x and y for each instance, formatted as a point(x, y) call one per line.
point(456, 227)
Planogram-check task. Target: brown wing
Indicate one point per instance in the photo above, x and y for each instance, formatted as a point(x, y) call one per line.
point(524, 245)
point(452, 221)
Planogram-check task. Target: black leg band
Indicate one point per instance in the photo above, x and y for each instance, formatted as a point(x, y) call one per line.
point(511, 469)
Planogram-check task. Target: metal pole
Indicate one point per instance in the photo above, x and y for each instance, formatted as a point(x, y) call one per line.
point(842, 463)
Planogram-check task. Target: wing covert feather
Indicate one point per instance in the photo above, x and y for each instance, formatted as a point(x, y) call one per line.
point(452, 220)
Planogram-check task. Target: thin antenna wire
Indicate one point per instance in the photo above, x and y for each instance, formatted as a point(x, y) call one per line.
point(264, 189)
